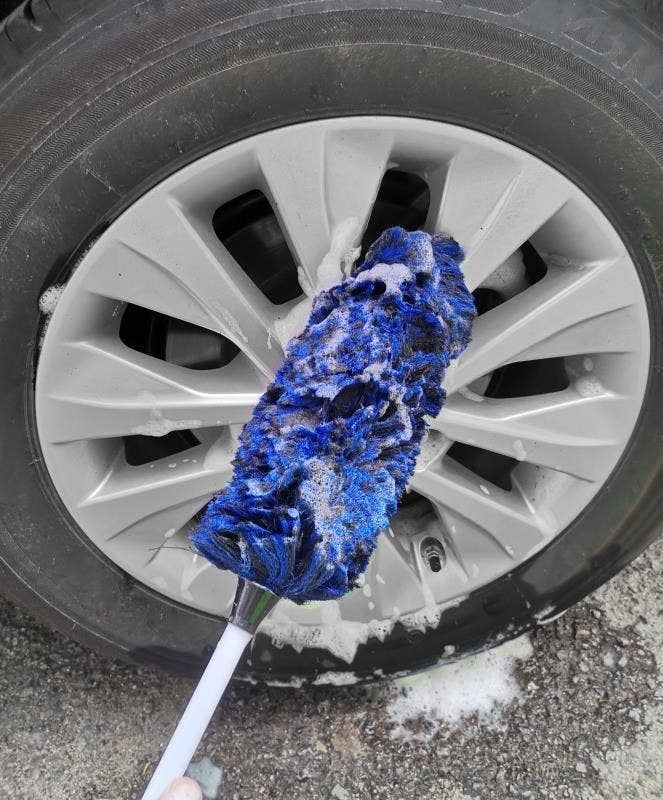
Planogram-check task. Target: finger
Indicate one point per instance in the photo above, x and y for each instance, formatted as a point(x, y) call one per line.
point(182, 789)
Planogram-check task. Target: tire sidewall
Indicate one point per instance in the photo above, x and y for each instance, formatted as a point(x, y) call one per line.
point(111, 153)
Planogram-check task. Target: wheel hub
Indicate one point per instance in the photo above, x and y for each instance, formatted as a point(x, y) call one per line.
point(165, 335)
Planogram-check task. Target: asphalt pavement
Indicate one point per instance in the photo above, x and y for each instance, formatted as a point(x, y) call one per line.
point(583, 721)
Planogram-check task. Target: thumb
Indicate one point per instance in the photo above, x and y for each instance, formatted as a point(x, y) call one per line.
point(182, 789)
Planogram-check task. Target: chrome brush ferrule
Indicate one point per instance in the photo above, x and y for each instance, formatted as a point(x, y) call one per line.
point(251, 605)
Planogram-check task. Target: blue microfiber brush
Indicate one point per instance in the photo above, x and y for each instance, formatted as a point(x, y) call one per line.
point(330, 446)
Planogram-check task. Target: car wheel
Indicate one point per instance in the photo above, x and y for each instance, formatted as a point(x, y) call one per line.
point(171, 176)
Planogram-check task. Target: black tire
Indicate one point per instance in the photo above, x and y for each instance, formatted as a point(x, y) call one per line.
point(85, 88)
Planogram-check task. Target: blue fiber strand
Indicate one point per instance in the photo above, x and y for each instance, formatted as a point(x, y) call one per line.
point(334, 439)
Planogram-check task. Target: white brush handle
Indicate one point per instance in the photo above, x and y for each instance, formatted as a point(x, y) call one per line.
point(196, 717)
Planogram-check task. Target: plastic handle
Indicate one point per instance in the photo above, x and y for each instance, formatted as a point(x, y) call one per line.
point(196, 717)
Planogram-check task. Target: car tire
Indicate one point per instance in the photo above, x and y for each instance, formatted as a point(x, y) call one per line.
point(101, 100)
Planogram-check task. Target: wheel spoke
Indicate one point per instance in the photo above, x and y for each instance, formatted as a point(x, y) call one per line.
point(476, 551)
point(493, 206)
point(503, 515)
point(169, 490)
point(564, 431)
point(109, 390)
point(160, 258)
point(613, 331)
point(392, 579)
point(550, 318)
point(318, 180)
point(465, 192)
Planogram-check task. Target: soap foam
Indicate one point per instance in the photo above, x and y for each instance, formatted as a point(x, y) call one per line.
point(481, 685)
point(50, 298)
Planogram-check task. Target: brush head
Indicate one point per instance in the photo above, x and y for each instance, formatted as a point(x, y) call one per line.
point(334, 439)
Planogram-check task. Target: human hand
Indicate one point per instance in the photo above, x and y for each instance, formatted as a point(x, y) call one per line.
point(182, 789)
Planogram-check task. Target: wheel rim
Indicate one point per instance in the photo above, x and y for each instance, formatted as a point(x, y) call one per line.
point(552, 432)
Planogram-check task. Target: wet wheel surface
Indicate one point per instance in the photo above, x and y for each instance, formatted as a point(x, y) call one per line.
point(156, 235)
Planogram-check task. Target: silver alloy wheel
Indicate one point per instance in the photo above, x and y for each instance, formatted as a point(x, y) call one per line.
point(162, 254)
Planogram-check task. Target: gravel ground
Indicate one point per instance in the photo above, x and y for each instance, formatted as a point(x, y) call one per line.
point(587, 723)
